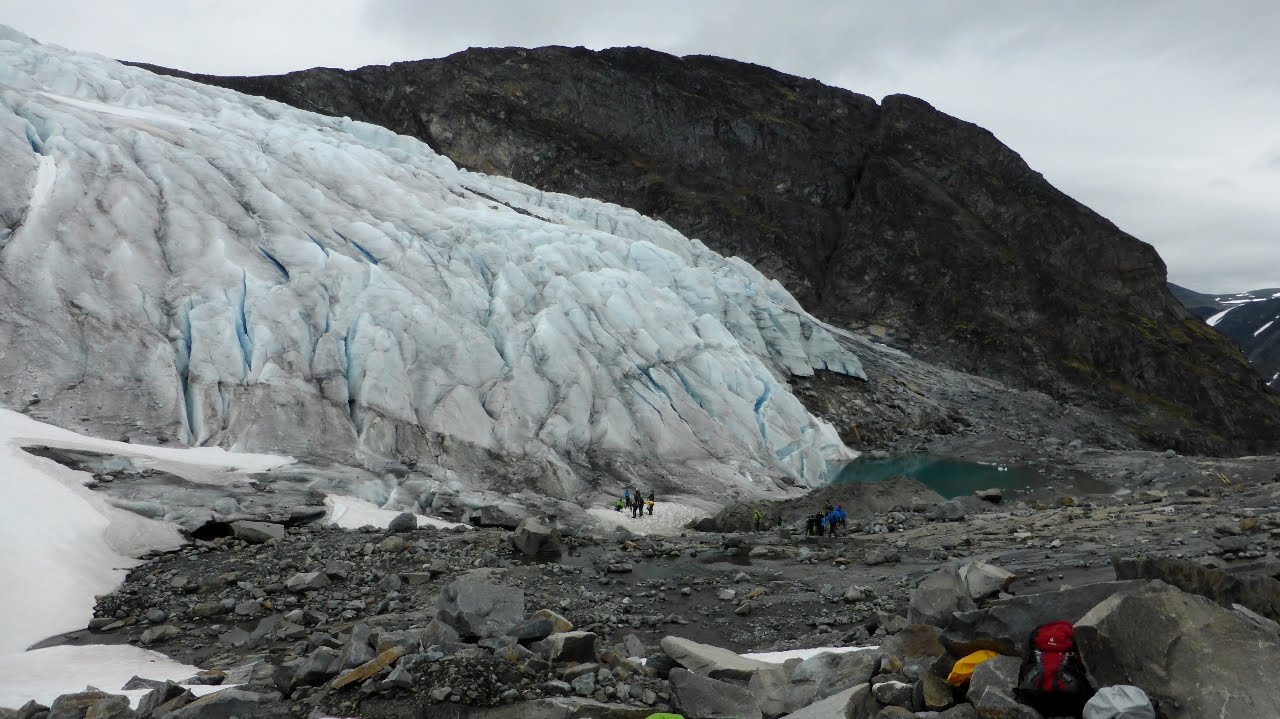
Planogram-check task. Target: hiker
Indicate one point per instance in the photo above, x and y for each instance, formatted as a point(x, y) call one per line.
point(808, 525)
point(757, 517)
point(832, 519)
point(842, 516)
point(820, 523)
point(617, 505)
point(626, 497)
point(649, 503)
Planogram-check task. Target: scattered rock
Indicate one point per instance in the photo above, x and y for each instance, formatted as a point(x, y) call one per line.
point(257, 532)
point(880, 556)
point(307, 581)
point(569, 647)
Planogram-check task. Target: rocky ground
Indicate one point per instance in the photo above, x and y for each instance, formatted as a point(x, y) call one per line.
point(377, 622)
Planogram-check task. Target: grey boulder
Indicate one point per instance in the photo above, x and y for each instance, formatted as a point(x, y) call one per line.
point(937, 597)
point(534, 538)
point(985, 580)
point(1193, 656)
point(307, 581)
point(480, 610)
point(694, 695)
point(257, 532)
point(403, 522)
point(569, 647)
point(91, 705)
point(711, 661)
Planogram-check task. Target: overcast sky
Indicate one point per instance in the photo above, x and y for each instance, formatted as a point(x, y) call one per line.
point(1163, 115)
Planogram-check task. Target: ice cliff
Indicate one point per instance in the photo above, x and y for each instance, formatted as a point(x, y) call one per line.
point(180, 262)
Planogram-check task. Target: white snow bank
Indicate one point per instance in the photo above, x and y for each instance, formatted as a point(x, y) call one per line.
point(1263, 328)
point(354, 513)
point(1214, 320)
point(802, 654)
point(45, 674)
point(63, 544)
point(668, 518)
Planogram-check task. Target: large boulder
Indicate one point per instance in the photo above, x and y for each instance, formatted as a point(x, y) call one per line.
point(770, 688)
point(1259, 593)
point(1005, 626)
point(257, 532)
point(996, 673)
point(535, 538)
point(403, 522)
point(91, 705)
point(835, 706)
point(985, 580)
point(507, 515)
point(937, 597)
point(823, 675)
point(1194, 657)
point(569, 647)
point(479, 610)
point(163, 699)
point(224, 704)
point(711, 661)
point(694, 695)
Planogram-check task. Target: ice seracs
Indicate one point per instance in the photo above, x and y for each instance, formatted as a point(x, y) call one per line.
point(185, 263)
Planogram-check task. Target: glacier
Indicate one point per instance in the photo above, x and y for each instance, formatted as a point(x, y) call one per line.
point(181, 263)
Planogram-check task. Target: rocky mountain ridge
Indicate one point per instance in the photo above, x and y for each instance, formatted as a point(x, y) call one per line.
point(1251, 319)
point(891, 217)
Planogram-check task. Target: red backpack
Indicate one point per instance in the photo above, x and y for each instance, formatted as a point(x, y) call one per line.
point(1052, 678)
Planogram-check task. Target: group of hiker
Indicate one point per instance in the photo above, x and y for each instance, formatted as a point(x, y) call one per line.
point(826, 521)
point(633, 500)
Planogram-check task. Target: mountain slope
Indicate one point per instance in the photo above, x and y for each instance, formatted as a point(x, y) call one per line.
point(892, 217)
point(1251, 319)
point(184, 262)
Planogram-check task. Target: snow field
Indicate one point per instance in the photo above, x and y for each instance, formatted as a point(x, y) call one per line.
point(63, 545)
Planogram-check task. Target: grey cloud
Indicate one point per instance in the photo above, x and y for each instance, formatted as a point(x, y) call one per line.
point(1157, 113)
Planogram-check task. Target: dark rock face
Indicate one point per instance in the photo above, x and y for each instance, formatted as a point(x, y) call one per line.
point(1194, 657)
point(1259, 593)
point(1253, 322)
point(893, 217)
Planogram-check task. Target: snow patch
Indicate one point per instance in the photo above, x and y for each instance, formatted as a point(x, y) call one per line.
point(46, 173)
point(668, 518)
point(802, 654)
point(354, 513)
point(64, 543)
point(1214, 320)
point(1263, 328)
point(43, 675)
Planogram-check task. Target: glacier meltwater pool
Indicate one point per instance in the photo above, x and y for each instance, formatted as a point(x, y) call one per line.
point(948, 477)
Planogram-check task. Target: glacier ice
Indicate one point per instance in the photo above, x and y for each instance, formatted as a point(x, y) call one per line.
point(185, 261)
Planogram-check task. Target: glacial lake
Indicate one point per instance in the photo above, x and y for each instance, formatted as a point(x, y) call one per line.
point(948, 477)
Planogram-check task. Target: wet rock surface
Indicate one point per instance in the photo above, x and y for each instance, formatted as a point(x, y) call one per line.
point(377, 622)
